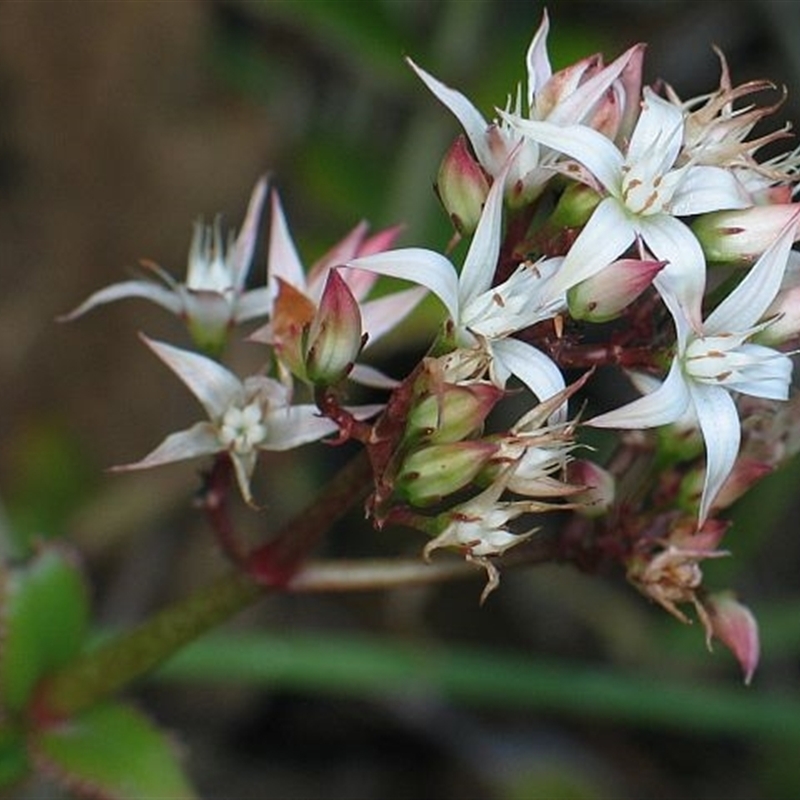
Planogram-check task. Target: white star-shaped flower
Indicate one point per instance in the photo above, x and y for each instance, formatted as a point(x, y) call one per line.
point(646, 193)
point(245, 417)
point(711, 363)
point(213, 297)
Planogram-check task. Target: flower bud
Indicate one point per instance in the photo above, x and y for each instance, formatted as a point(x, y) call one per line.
point(452, 413)
point(745, 474)
point(334, 337)
point(576, 204)
point(462, 186)
point(784, 311)
point(607, 294)
point(433, 472)
point(736, 627)
point(597, 494)
point(740, 236)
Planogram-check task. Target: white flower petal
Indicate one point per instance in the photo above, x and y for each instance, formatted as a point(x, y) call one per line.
point(658, 134)
point(607, 234)
point(537, 59)
point(746, 304)
point(384, 313)
point(293, 426)
point(480, 263)
point(666, 404)
point(765, 373)
point(209, 382)
point(472, 121)
point(682, 282)
point(536, 370)
point(365, 375)
point(719, 423)
point(282, 258)
point(420, 266)
point(253, 304)
point(705, 188)
point(199, 440)
point(243, 465)
point(146, 290)
point(597, 153)
point(241, 255)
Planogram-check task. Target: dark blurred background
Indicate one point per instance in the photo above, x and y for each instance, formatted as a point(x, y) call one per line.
point(120, 124)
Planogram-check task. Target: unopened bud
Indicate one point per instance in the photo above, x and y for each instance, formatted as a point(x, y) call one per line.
point(334, 337)
point(452, 413)
point(784, 311)
point(607, 294)
point(462, 186)
point(575, 206)
point(736, 627)
point(740, 236)
point(433, 472)
point(597, 496)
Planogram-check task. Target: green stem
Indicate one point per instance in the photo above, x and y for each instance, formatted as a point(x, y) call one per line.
point(115, 664)
point(104, 671)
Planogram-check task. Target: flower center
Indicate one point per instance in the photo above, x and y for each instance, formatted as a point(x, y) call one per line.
point(242, 429)
point(643, 194)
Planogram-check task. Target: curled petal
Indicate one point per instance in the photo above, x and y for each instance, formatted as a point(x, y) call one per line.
point(599, 155)
point(166, 298)
point(668, 403)
point(537, 59)
point(472, 121)
point(533, 368)
point(420, 266)
point(719, 423)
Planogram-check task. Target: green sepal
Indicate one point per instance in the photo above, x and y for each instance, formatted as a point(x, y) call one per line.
point(45, 609)
point(114, 752)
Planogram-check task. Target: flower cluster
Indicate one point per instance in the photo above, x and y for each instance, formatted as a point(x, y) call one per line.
point(612, 226)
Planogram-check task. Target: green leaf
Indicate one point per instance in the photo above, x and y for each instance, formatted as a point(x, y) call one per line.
point(114, 752)
point(13, 758)
point(45, 608)
point(366, 667)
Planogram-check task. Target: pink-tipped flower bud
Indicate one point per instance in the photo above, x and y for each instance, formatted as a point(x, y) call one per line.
point(434, 472)
point(607, 294)
point(784, 313)
point(462, 186)
point(740, 236)
point(736, 627)
point(597, 495)
point(452, 413)
point(334, 337)
point(745, 474)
